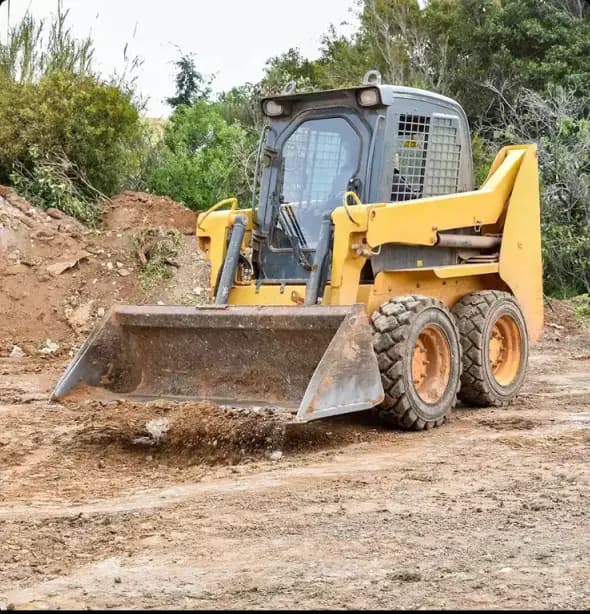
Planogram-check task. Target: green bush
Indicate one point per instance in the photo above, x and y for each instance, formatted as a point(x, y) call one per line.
point(66, 135)
point(203, 159)
point(92, 124)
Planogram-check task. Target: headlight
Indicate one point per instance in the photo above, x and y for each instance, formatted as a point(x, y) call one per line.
point(273, 109)
point(369, 97)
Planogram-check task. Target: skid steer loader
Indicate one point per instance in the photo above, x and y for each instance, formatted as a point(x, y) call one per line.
point(367, 272)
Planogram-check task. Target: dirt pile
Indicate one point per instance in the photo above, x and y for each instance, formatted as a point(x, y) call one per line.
point(58, 277)
point(131, 210)
point(186, 433)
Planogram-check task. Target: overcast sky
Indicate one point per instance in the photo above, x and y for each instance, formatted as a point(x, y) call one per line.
point(232, 38)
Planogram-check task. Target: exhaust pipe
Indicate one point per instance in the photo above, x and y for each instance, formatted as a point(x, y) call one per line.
point(467, 241)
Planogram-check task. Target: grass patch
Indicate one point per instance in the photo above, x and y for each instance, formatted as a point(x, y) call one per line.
point(582, 309)
point(156, 250)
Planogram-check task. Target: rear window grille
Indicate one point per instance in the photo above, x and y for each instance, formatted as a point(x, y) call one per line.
point(410, 157)
point(444, 157)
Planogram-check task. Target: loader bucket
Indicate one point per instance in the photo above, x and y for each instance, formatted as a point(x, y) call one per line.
point(316, 361)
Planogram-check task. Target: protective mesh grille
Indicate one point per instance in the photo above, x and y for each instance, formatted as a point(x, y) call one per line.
point(410, 157)
point(313, 159)
point(444, 156)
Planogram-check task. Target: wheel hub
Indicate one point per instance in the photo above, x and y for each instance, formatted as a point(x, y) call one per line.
point(431, 364)
point(505, 350)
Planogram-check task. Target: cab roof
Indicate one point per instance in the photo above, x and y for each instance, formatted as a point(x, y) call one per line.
point(389, 93)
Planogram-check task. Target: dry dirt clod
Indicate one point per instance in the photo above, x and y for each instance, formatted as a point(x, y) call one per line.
point(79, 318)
point(60, 267)
point(55, 213)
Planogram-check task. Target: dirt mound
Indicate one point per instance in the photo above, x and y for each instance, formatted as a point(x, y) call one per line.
point(131, 210)
point(204, 433)
point(560, 315)
point(58, 277)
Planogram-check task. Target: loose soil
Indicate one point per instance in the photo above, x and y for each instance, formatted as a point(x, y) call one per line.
point(58, 277)
point(179, 505)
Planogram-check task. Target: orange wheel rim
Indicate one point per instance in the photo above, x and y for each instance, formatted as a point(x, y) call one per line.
point(431, 364)
point(505, 350)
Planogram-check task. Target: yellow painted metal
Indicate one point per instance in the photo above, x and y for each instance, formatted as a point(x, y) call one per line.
point(449, 291)
point(347, 259)
point(291, 295)
point(465, 270)
point(520, 253)
point(212, 232)
point(222, 203)
point(357, 201)
point(416, 222)
point(354, 196)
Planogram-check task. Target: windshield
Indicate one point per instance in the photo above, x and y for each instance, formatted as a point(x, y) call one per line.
point(319, 159)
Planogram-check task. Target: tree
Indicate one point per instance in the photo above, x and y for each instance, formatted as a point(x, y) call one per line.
point(191, 85)
point(559, 123)
point(289, 66)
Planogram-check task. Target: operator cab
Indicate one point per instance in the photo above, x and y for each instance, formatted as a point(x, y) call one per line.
point(384, 143)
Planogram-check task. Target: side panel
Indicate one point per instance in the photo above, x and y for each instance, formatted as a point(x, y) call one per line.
point(520, 255)
point(417, 222)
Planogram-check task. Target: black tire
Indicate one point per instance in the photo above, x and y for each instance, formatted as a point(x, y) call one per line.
point(478, 316)
point(400, 325)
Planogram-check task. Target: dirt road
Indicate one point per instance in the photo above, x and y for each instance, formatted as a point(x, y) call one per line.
point(492, 510)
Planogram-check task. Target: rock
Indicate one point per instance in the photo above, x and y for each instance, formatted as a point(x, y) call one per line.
point(16, 352)
point(276, 455)
point(59, 267)
point(80, 316)
point(100, 312)
point(101, 464)
point(50, 347)
point(43, 235)
point(110, 266)
point(124, 272)
point(158, 428)
point(56, 214)
point(556, 326)
point(119, 265)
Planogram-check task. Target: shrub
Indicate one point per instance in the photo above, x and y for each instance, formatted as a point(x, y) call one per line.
point(49, 183)
point(66, 135)
point(204, 159)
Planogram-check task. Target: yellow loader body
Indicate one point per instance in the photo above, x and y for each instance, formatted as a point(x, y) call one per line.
point(506, 204)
